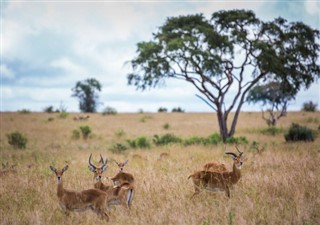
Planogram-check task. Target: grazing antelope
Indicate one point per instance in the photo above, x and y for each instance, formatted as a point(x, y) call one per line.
point(122, 194)
point(214, 166)
point(93, 199)
point(218, 181)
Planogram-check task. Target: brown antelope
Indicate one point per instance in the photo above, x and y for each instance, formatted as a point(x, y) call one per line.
point(218, 181)
point(93, 199)
point(214, 166)
point(122, 194)
point(121, 177)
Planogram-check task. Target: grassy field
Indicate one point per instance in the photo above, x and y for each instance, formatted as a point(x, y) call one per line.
point(280, 184)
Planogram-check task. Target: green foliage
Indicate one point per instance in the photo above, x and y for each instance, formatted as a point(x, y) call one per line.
point(166, 126)
point(203, 51)
point(24, 111)
point(86, 92)
point(166, 139)
point(214, 139)
point(63, 115)
point(75, 134)
point(118, 148)
point(299, 133)
point(309, 107)
point(272, 130)
point(17, 140)
point(236, 140)
point(139, 142)
point(195, 140)
point(85, 131)
point(48, 109)
point(109, 111)
point(120, 133)
point(162, 109)
point(178, 109)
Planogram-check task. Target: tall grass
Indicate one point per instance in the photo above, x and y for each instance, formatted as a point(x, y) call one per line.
point(279, 185)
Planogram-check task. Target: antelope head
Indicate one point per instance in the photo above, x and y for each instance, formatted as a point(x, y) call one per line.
point(59, 173)
point(121, 165)
point(98, 170)
point(237, 159)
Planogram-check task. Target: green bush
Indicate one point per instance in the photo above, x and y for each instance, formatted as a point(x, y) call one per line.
point(309, 107)
point(166, 126)
point(63, 115)
point(162, 109)
point(272, 130)
point(166, 139)
point(75, 134)
point(85, 130)
point(17, 140)
point(140, 142)
point(118, 148)
point(299, 133)
point(214, 139)
point(195, 140)
point(178, 109)
point(24, 111)
point(237, 140)
point(109, 111)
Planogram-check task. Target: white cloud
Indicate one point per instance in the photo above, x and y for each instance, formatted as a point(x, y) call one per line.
point(6, 72)
point(312, 7)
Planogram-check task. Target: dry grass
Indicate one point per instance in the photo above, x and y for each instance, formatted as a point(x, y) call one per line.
point(280, 185)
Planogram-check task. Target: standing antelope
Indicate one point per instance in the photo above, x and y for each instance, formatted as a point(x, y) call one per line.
point(122, 194)
point(121, 177)
point(93, 199)
point(218, 181)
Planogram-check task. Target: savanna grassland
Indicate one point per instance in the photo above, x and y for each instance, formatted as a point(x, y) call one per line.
point(280, 181)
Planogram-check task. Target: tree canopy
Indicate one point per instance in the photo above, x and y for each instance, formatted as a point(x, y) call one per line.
point(86, 92)
point(226, 56)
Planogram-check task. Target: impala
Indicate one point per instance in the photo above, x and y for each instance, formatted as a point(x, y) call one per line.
point(93, 199)
point(122, 194)
point(121, 177)
point(218, 181)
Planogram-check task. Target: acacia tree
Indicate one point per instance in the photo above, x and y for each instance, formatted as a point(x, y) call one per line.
point(85, 91)
point(275, 96)
point(226, 56)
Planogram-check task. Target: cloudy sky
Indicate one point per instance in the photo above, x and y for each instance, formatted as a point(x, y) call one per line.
point(47, 46)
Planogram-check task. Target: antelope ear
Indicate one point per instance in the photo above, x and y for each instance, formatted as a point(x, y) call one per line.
point(53, 169)
point(65, 168)
point(125, 163)
point(104, 167)
point(91, 168)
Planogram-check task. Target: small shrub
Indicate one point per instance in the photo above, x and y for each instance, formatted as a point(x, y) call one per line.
point(24, 111)
point(272, 130)
point(214, 139)
point(236, 140)
point(109, 111)
point(178, 109)
point(85, 130)
point(299, 133)
point(120, 133)
point(166, 126)
point(309, 107)
point(196, 141)
point(162, 109)
point(118, 148)
point(50, 119)
point(166, 139)
point(49, 109)
point(63, 115)
point(140, 142)
point(17, 140)
point(75, 134)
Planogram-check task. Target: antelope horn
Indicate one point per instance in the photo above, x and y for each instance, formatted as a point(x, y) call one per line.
point(240, 153)
point(90, 161)
point(101, 159)
point(231, 153)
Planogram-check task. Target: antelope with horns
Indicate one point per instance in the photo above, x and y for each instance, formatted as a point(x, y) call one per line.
point(93, 199)
point(122, 194)
point(218, 181)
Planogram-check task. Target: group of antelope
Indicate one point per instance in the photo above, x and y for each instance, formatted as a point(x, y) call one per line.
point(212, 177)
point(102, 196)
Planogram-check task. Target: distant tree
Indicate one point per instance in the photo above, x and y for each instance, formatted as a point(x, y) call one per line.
point(309, 107)
point(177, 109)
point(226, 56)
point(275, 97)
point(162, 109)
point(86, 92)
